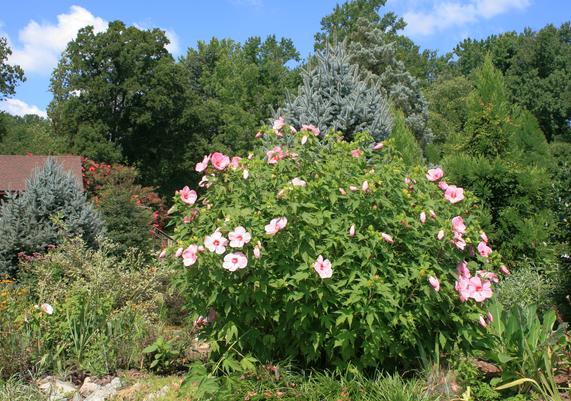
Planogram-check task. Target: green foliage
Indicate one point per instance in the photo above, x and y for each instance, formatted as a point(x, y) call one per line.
point(536, 67)
point(378, 307)
point(119, 95)
point(163, 355)
point(528, 285)
point(233, 87)
point(105, 311)
point(10, 75)
point(502, 157)
point(335, 97)
point(29, 134)
point(405, 143)
point(525, 345)
point(51, 208)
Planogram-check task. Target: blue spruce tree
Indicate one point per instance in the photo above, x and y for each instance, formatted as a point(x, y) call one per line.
point(335, 96)
point(28, 221)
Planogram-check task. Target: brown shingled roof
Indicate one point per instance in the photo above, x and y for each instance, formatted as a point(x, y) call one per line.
point(15, 170)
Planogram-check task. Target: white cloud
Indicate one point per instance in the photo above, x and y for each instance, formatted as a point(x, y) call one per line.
point(19, 108)
point(42, 43)
point(174, 46)
point(447, 14)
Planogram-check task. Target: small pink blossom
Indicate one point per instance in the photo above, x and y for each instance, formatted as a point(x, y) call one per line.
point(201, 249)
point(276, 225)
point(435, 283)
point(204, 182)
point(484, 250)
point(216, 243)
point(484, 237)
point(505, 270)
point(303, 139)
point(378, 146)
point(298, 182)
point(250, 156)
point(352, 230)
point(407, 180)
point(463, 271)
point(274, 155)
point(186, 219)
point(458, 241)
point(163, 254)
point(219, 160)
point(432, 214)
point(188, 195)
point(47, 308)
point(356, 153)
point(342, 191)
point(458, 225)
point(454, 194)
point(310, 128)
point(493, 277)
point(258, 250)
point(387, 238)
point(245, 174)
point(200, 167)
point(239, 237)
point(353, 188)
point(190, 255)
point(490, 317)
point(258, 135)
point(235, 162)
point(323, 267)
point(440, 235)
point(434, 174)
point(235, 261)
point(483, 322)
point(292, 129)
point(443, 185)
point(280, 193)
point(178, 252)
point(422, 217)
point(278, 124)
point(365, 186)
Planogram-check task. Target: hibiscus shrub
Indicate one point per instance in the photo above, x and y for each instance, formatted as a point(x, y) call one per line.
point(331, 252)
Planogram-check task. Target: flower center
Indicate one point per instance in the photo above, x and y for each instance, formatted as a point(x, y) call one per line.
point(234, 260)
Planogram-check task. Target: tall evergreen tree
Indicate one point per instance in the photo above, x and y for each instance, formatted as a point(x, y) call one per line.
point(335, 96)
point(27, 222)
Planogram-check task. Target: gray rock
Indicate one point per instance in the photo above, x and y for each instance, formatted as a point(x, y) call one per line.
point(158, 395)
point(106, 392)
point(88, 387)
point(57, 390)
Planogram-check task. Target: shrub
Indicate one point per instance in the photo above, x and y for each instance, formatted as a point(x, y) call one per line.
point(27, 221)
point(335, 97)
point(405, 143)
point(104, 311)
point(352, 203)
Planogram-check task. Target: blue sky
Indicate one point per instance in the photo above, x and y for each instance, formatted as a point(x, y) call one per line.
point(39, 30)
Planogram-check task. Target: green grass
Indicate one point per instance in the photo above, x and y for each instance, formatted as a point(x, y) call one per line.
point(15, 390)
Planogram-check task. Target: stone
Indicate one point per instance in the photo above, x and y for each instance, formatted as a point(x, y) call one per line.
point(88, 387)
point(55, 389)
point(158, 395)
point(106, 392)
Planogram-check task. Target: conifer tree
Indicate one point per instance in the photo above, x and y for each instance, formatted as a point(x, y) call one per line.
point(375, 53)
point(335, 96)
point(496, 157)
point(405, 143)
point(28, 221)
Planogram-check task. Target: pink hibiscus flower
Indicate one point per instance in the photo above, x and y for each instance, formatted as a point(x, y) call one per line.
point(323, 267)
point(276, 225)
point(484, 237)
point(201, 166)
point(505, 270)
point(463, 271)
point(387, 238)
point(434, 282)
point(440, 235)
point(47, 309)
point(298, 182)
point(458, 225)
point(274, 155)
point(342, 191)
point(352, 230)
point(378, 146)
point(434, 174)
point(188, 195)
point(311, 128)
point(216, 243)
point(454, 194)
point(356, 153)
point(365, 186)
point(219, 160)
point(239, 237)
point(278, 124)
point(484, 250)
point(178, 252)
point(480, 290)
point(235, 261)
point(458, 241)
point(258, 250)
point(483, 322)
point(462, 286)
point(235, 162)
point(190, 255)
point(443, 185)
point(493, 277)
point(422, 217)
